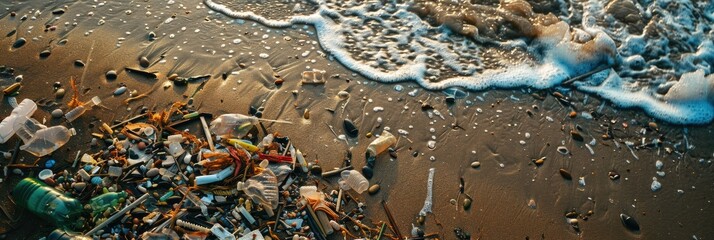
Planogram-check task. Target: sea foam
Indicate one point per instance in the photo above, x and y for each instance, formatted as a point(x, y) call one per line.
point(387, 42)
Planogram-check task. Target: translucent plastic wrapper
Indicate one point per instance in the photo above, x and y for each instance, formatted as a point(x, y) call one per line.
point(263, 188)
point(236, 125)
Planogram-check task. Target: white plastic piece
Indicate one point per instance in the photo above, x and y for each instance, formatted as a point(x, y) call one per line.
point(253, 235)
point(221, 233)
point(7, 127)
point(427, 203)
point(175, 148)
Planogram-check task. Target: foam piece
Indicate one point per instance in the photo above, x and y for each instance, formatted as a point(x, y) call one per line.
point(686, 109)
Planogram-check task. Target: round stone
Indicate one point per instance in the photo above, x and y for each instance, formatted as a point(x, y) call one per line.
point(60, 93)
point(111, 75)
point(475, 164)
point(152, 172)
point(57, 113)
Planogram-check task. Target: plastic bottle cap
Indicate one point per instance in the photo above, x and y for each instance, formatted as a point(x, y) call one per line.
point(45, 174)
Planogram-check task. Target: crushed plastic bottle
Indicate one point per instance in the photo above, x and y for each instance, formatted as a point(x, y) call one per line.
point(8, 127)
point(237, 125)
point(263, 188)
point(103, 202)
point(351, 179)
point(39, 139)
point(48, 203)
point(78, 111)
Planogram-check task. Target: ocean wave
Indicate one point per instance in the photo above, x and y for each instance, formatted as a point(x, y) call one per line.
point(655, 56)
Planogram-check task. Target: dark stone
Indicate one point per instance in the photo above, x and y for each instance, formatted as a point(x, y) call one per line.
point(79, 63)
point(19, 43)
point(350, 128)
point(368, 172)
point(45, 53)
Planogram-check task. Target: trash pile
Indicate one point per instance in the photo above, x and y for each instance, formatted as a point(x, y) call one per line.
point(146, 179)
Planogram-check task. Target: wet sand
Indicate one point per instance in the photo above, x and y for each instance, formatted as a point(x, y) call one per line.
point(487, 130)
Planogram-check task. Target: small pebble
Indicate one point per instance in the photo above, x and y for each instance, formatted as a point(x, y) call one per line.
point(152, 172)
point(532, 204)
point(350, 128)
point(656, 185)
point(476, 164)
point(57, 113)
point(565, 174)
point(141, 146)
point(467, 203)
point(58, 11)
point(144, 62)
point(60, 93)
point(19, 43)
point(50, 163)
point(119, 91)
point(79, 186)
point(374, 189)
point(111, 75)
point(659, 164)
point(563, 150)
point(45, 53)
point(79, 63)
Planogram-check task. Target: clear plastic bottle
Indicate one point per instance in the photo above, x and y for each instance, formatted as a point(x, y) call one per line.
point(39, 139)
point(351, 179)
point(78, 111)
point(7, 127)
point(237, 125)
point(48, 203)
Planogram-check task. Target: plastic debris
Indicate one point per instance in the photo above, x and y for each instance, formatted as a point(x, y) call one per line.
point(427, 202)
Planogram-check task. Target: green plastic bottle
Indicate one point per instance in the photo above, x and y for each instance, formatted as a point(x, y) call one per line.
point(103, 202)
point(48, 203)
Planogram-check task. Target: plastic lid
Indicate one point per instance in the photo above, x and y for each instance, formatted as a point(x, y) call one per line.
point(45, 174)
